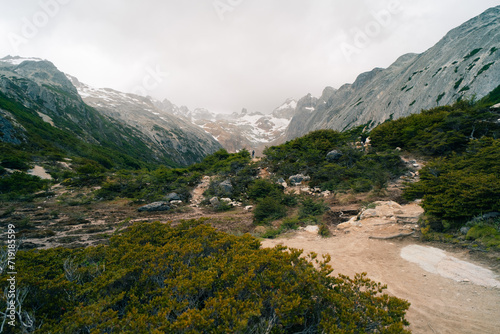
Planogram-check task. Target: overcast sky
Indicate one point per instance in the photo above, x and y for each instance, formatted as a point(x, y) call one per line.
point(224, 55)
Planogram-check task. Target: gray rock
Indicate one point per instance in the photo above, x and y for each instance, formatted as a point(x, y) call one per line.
point(369, 213)
point(334, 155)
point(298, 179)
point(156, 206)
point(214, 201)
point(173, 197)
point(226, 187)
point(464, 230)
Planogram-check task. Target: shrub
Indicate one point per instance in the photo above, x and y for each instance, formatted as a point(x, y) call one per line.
point(353, 169)
point(14, 162)
point(324, 231)
point(191, 278)
point(290, 223)
point(438, 131)
point(262, 188)
point(462, 186)
point(20, 185)
point(310, 207)
point(269, 209)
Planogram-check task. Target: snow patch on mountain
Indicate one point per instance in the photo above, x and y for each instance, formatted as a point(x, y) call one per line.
point(18, 60)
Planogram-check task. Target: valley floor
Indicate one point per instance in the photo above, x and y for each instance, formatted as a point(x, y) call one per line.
point(445, 297)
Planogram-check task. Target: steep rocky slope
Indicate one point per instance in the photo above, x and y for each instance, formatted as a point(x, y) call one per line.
point(464, 64)
point(124, 124)
point(171, 135)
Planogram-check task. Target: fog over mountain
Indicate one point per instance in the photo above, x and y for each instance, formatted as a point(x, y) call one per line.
point(226, 55)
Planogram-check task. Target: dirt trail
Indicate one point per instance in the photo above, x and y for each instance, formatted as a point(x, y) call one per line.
point(439, 304)
point(197, 193)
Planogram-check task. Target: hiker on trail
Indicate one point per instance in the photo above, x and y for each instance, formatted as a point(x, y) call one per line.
point(253, 154)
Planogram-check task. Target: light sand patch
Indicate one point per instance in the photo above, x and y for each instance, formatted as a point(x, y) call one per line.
point(40, 172)
point(436, 261)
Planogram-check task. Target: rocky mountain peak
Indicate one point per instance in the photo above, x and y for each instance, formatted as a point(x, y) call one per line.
point(463, 64)
point(40, 71)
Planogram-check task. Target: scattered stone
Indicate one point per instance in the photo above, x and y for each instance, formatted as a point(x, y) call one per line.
point(343, 226)
point(214, 201)
point(249, 208)
point(226, 187)
point(298, 179)
point(156, 206)
point(176, 203)
point(173, 197)
point(369, 213)
point(226, 200)
point(334, 155)
point(326, 193)
point(390, 204)
point(464, 230)
point(312, 228)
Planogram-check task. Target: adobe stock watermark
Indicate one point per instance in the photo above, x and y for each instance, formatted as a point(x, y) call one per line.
point(363, 36)
point(152, 79)
point(31, 26)
point(225, 6)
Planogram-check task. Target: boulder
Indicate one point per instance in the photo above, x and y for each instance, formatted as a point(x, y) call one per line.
point(298, 179)
point(334, 155)
point(175, 203)
point(214, 201)
point(156, 206)
point(464, 229)
point(226, 187)
point(173, 197)
point(248, 208)
point(311, 228)
point(369, 213)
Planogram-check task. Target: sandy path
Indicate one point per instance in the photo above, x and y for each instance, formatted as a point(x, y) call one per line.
point(438, 304)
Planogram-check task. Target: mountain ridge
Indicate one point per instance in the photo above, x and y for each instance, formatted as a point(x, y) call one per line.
point(465, 63)
point(49, 94)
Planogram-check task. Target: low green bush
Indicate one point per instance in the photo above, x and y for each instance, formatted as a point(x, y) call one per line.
point(19, 185)
point(460, 187)
point(311, 207)
point(269, 209)
point(155, 278)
